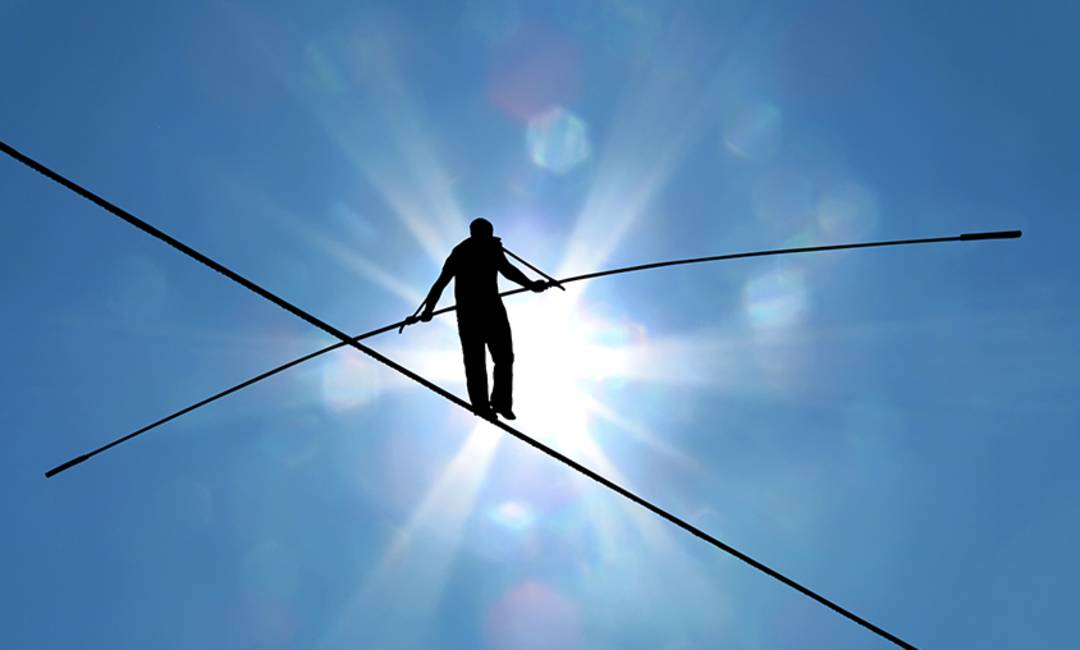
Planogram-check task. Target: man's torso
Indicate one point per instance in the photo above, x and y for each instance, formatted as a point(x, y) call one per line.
point(475, 265)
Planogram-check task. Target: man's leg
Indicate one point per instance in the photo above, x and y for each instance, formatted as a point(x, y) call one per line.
point(472, 352)
point(502, 353)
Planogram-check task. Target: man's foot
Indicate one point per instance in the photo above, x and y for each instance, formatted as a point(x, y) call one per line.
point(485, 412)
point(505, 412)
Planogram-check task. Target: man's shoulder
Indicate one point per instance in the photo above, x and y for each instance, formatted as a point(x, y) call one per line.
point(472, 246)
point(459, 251)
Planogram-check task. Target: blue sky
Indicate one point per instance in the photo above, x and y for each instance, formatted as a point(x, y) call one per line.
point(895, 428)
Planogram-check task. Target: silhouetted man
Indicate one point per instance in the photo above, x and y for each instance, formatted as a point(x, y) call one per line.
point(474, 265)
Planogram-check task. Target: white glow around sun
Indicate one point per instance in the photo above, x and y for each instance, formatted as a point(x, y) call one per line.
point(558, 357)
point(561, 354)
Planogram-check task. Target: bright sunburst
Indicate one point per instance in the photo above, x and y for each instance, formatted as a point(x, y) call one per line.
point(562, 352)
point(568, 357)
point(559, 355)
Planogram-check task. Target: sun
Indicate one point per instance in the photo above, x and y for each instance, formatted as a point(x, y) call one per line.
point(560, 354)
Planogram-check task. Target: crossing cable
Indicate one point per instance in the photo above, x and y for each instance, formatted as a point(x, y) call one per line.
point(326, 327)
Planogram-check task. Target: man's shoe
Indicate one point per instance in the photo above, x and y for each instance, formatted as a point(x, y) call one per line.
point(505, 412)
point(486, 412)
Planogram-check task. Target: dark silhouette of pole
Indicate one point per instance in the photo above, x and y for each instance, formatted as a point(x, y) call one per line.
point(409, 320)
point(326, 327)
point(414, 319)
point(1006, 234)
point(547, 277)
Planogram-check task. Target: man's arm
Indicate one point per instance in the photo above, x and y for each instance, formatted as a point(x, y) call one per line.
point(514, 273)
point(436, 291)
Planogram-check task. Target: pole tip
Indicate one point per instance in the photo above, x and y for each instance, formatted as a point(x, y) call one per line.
point(998, 234)
point(71, 463)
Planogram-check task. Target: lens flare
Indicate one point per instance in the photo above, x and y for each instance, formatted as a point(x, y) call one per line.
point(558, 140)
point(776, 299)
point(533, 615)
point(349, 381)
point(533, 70)
point(513, 515)
point(848, 212)
point(752, 132)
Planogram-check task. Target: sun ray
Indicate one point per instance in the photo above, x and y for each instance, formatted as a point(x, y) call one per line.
point(565, 353)
point(404, 589)
point(391, 146)
point(641, 434)
point(297, 224)
point(353, 88)
point(707, 358)
point(647, 142)
point(352, 260)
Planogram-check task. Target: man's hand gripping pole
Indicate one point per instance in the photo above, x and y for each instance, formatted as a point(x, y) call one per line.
point(411, 320)
point(552, 281)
